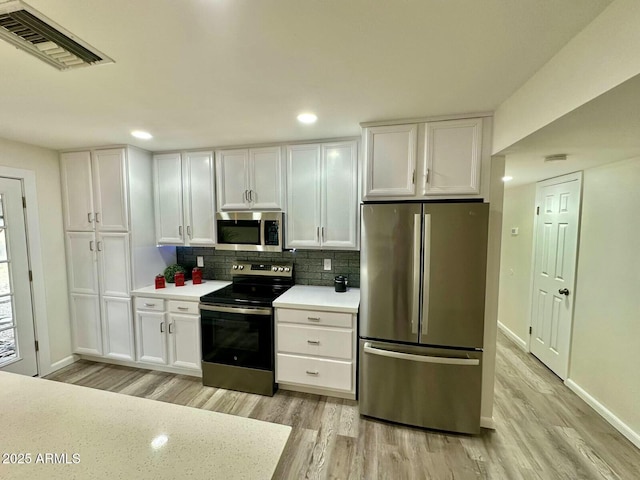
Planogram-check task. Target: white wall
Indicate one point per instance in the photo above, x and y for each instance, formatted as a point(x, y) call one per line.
point(606, 331)
point(46, 166)
point(515, 261)
point(602, 56)
point(606, 326)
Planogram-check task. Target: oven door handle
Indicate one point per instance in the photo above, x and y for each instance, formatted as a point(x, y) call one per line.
point(240, 310)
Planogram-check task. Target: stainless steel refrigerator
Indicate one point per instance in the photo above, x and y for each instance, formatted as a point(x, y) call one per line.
point(423, 268)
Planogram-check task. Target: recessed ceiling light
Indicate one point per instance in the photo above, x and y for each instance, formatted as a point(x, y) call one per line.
point(142, 135)
point(307, 118)
point(507, 178)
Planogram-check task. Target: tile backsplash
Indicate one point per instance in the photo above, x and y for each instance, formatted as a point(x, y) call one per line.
point(308, 264)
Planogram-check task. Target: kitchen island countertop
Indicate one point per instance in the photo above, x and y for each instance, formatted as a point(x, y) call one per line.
point(189, 292)
point(309, 297)
point(117, 436)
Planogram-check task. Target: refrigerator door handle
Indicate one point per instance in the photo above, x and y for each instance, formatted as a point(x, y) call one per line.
point(426, 276)
point(368, 348)
point(415, 309)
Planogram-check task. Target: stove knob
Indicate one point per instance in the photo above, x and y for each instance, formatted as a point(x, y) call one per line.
point(274, 269)
point(241, 267)
point(235, 267)
point(281, 269)
point(287, 269)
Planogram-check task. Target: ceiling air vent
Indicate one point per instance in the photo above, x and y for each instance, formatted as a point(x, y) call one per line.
point(29, 30)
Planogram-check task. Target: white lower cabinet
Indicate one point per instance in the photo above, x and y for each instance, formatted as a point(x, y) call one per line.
point(168, 333)
point(117, 328)
point(316, 351)
point(85, 321)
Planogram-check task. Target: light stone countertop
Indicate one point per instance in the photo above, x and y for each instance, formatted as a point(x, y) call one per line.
point(189, 292)
point(308, 297)
point(118, 436)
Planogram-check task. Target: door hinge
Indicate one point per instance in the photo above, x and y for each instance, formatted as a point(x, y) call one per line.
point(537, 210)
point(30, 276)
point(24, 202)
point(37, 346)
point(530, 330)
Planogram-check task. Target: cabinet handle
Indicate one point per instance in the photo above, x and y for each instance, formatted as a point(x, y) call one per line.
point(91, 245)
point(161, 327)
point(318, 234)
point(322, 233)
point(315, 373)
point(99, 246)
point(180, 231)
point(426, 177)
point(97, 217)
point(314, 319)
point(170, 330)
point(149, 304)
point(183, 308)
point(251, 196)
point(413, 177)
point(313, 342)
point(189, 230)
point(246, 196)
point(90, 217)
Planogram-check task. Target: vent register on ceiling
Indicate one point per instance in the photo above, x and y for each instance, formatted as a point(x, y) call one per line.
point(29, 30)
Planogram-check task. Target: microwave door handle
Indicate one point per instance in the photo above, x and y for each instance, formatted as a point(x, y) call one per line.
point(262, 233)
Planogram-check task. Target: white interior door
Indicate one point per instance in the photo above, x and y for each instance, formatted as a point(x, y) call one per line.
point(199, 198)
point(557, 226)
point(17, 338)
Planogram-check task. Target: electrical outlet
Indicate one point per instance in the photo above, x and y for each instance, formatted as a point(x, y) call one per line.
point(327, 264)
point(515, 231)
point(200, 261)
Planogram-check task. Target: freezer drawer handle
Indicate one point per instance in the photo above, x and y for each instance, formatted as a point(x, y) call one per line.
point(420, 358)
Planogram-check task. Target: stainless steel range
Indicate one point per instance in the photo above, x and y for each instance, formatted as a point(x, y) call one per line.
point(238, 328)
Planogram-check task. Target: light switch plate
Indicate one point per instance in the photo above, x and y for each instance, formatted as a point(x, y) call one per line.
point(514, 231)
point(327, 264)
point(200, 261)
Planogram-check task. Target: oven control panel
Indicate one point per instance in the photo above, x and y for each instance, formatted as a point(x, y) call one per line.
point(262, 269)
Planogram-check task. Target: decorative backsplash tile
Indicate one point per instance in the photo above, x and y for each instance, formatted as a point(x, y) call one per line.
point(308, 264)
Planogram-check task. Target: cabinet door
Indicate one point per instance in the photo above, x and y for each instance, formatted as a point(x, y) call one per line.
point(303, 196)
point(339, 195)
point(167, 183)
point(82, 269)
point(231, 179)
point(184, 341)
point(117, 328)
point(151, 337)
point(390, 154)
point(199, 198)
point(265, 178)
point(114, 264)
point(452, 153)
point(77, 191)
point(110, 190)
point(85, 324)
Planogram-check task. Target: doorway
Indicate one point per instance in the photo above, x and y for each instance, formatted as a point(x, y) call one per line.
point(17, 335)
point(557, 225)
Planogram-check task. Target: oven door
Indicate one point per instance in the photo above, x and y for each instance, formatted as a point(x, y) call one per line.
point(240, 336)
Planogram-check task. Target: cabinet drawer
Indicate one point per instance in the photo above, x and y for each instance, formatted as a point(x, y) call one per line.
point(176, 306)
point(156, 304)
point(323, 342)
point(310, 317)
point(314, 372)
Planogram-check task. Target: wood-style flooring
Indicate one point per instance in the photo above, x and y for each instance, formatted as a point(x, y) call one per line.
point(543, 430)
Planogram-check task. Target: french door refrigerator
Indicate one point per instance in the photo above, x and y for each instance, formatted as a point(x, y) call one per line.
point(423, 268)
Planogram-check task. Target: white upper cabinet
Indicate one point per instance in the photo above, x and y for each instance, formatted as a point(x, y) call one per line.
point(77, 191)
point(184, 199)
point(452, 156)
point(110, 190)
point(250, 179)
point(449, 165)
point(390, 156)
point(322, 196)
point(95, 190)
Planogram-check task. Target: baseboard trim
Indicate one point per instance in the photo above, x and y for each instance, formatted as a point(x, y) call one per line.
point(144, 366)
point(488, 422)
point(513, 337)
point(623, 428)
point(316, 391)
point(65, 362)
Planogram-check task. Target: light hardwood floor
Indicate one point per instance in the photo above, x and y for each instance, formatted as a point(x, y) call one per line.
point(543, 430)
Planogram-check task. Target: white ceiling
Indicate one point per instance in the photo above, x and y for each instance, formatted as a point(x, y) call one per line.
point(199, 73)
point(604, 130)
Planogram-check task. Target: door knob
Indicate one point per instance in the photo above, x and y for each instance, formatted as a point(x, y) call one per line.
point(564, 291)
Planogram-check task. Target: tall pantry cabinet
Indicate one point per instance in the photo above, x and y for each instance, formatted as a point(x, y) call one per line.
point(110, 244)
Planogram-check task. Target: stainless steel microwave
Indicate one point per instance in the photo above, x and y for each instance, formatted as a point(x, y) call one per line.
point(249, 231)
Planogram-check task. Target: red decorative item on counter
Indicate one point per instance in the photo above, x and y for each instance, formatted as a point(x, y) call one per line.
point(196, 276)
point(160, 281)
point(179, 278)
